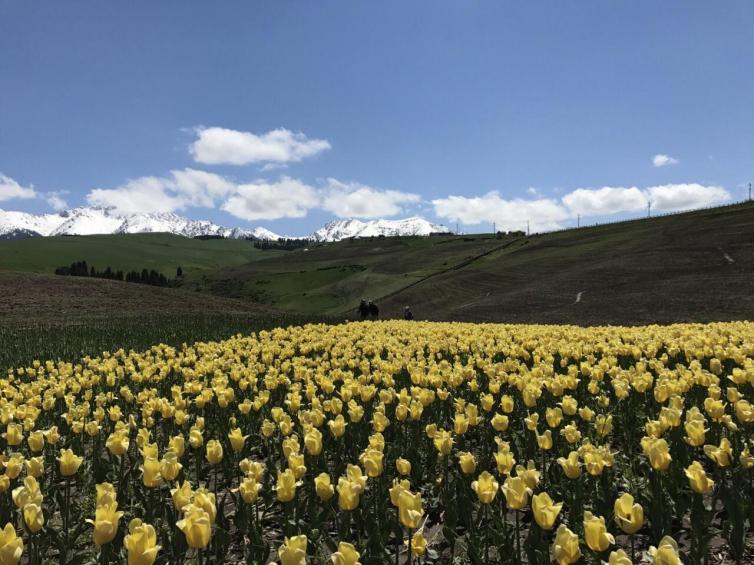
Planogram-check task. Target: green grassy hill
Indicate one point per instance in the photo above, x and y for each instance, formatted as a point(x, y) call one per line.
point(160, 251)
point(696, 266)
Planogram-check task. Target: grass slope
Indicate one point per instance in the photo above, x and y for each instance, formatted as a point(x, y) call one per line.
point(160, 251)
point(665, 269)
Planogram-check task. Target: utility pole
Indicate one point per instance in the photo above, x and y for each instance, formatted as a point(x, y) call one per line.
point(649, 208)
point(749, 192)
point(578, 220)
point(527, 228)
point(457, 232)
point(494, 228)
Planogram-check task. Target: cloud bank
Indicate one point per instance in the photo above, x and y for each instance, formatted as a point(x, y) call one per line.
point(661, 160)
point(10, 189)
point(221, 146)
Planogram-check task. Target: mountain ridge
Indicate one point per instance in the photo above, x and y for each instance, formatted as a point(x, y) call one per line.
point(91, 220)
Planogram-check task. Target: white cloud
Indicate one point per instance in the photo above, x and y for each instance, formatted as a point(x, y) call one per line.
point(661, 160)
point(56, 201)
point(216, 145)
point(183, 188)
point(286, 198)
point(542, 213)
point(671, 197)
point(605, 201)
point(10, 189)
point(354, 200)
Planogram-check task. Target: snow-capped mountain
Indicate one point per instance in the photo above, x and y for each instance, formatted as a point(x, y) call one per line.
point(88, 220)
point(344, 229)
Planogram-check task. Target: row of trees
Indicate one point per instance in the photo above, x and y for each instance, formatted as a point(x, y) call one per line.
point(145, 276)
point(282, 244)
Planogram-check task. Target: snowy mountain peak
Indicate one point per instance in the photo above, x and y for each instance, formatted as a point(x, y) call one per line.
point(89, 220)
point(343, 229)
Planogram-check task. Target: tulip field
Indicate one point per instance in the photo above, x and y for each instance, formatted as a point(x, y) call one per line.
point(387, 442)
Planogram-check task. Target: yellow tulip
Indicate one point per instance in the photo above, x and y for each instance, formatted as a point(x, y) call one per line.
point(177, 444)
point(196, 440)
point(545, 510)
point(354, 474)
point(286, 486)
point(372, 461)
point(323, 487)
point(565, 547)
point(182, 495)
point(28, 493)
point(170, 468)
point(117, 443)
point(296, 464)
point(529, 474)
point(396, 490)
point(249, 489)
point(505, 461)
point(11, 546)
point(105, 523)
point(658, 452)
point(629, 515)
point(337, 426)
point(554, 417)
point(33, 517)
point(403, 466)
point(571, 465)
point(516, 492)
point(595, 533)
point(14, 434)
point(214, 452)
point(348, 494)
point(746, 459)
point(141, 543)
point(619, 558)
point(313, 442)
point(36, 441)
point(35, 467)
point(722, 454)
point(418, 544)
point(499, 422)
point(105, 494)
point(150, 470)
point(293, 551)
point(410, 509)
point(69, 462)
point(14, 465)
point(443, 442)
point(544, 441)
point(237, 439)
point(206, 500)
point(698, 479)
point(346, 555)
point(196, 526)
point(485, 487)
point(666, 552)
point(467, 462)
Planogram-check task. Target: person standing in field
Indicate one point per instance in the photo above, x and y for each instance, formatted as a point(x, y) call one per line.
point(374, 311)
point(408, 314)
point(363, 309)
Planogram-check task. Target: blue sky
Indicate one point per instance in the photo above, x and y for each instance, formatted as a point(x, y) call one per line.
point(289, 114)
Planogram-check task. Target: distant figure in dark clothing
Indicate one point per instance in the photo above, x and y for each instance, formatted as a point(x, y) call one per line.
point(408, 314)
point(363, 309)
point(374, 312)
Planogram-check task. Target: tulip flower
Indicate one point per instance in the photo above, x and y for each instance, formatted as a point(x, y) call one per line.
point(396, 490)
point(196, 526)
point(346, 555)
point(28, 493)
point(14, 434)
point(571, 465)
point(516, 492)
point(628, 515)
point(545, 510)
point(11, 546)
point(505, 461)
point(657, 452)
point(722, 454)
point(485, 487)
point(214, 452)
point(565, 547)
point(182, 495)
point(354, 474)
point(169, 466)
point(666, 552)
point(150, 470)
point(249, 489)
point(698, 479)
point(313, 442)
point(33, 517)
point(105, 523)
point(403, 466)
point(323, 487)
point(14, 465)
point(286, 486)
point(141, 543)
point(237, 440)
point(467, 462)
point(372, 461)
point(69, 462)
point(36, 441)
point(206, 500)
point(349, 494)
point(418, 545)
point(293, 551)
point(410, 509)
point(595, 532)
point(619, 558)
point(529, 474)
point(105, 494)
point(35, 467)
